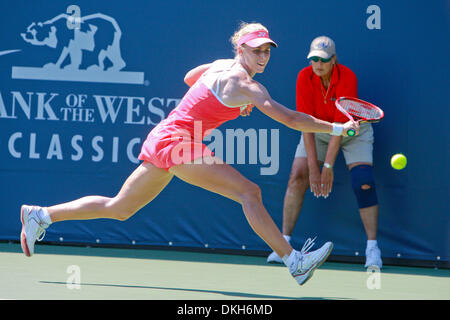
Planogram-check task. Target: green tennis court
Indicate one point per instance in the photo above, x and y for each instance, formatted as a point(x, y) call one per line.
point(107, 273)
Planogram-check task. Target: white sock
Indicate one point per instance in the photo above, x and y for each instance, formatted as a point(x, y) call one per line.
point(45, 216)
point(371, 243)
point(288, 238)
point(288, 259)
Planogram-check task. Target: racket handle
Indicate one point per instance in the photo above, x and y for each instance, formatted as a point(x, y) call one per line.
point(351, 132)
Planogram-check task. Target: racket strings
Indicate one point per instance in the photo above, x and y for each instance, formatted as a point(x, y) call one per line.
point(360, 110)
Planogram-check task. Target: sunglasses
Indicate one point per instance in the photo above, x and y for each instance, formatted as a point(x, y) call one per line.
point(316, 59)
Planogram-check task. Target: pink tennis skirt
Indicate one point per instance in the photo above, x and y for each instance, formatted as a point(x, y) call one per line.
point(166, 152)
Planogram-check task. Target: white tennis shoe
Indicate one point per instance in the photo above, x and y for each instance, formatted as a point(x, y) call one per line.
point(33, 228)
point(373, 258)
point(303, 266)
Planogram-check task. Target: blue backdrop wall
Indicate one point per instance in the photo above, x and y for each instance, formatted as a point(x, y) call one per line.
point(68, 131)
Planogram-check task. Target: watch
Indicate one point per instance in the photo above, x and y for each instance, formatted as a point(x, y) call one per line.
point(327, 165)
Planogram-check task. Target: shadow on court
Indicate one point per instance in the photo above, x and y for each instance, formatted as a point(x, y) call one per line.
point(111, 273)
point(174, 254)
point(225, 293)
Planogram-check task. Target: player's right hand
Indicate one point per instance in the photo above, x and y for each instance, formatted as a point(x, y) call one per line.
point(246, 110)
point(351, 124)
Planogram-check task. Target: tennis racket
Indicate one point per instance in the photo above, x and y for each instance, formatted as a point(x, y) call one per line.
point(358, 110)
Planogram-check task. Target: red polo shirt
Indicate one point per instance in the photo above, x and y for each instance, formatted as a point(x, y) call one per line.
point(311, 92)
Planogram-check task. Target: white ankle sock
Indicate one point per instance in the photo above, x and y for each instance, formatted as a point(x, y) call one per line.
point(371, 243)
point(288, 259)
point(45, 216)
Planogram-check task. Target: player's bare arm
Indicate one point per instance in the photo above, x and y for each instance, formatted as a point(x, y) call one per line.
point(259, 96)
point(193, 75)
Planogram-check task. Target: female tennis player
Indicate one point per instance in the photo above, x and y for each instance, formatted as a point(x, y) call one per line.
point(218, 92)
point(318, 87)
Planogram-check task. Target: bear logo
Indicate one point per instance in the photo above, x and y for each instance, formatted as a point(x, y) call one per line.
point(88, 52)
point(55, 33)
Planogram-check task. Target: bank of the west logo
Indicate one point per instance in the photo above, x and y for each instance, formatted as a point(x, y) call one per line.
point(97, 34)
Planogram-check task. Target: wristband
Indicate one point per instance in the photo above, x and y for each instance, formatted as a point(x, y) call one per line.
point(327, 165)
point(337, 129)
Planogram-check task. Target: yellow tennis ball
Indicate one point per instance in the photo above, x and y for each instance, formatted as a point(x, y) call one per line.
point(398, 161)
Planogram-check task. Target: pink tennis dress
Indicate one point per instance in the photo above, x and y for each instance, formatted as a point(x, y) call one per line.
point(178, 138)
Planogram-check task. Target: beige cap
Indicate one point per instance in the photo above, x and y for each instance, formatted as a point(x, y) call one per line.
point(322, 47)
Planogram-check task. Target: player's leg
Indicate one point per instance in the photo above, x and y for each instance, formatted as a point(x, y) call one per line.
point(227, 181)
point(142, 186)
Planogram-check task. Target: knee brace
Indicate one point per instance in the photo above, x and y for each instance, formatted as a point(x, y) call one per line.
point(363, 185)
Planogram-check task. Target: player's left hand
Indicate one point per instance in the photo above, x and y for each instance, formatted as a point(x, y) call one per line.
point(326, 181)
point(246, 110)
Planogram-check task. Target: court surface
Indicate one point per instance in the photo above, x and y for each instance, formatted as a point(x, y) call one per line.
point(108, 273)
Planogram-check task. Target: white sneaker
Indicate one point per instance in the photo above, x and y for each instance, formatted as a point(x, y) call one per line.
point(33, 228)
point(373, 258)
point(274, 258)
point(306, 262)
